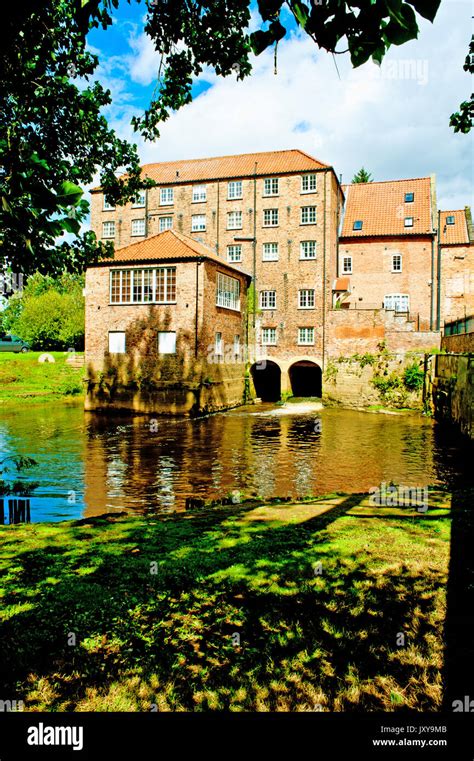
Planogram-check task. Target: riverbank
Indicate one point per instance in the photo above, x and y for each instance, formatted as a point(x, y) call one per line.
point(24, 378)
point(327, 604)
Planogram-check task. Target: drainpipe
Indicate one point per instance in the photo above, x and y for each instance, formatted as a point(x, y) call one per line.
point(254, 246)
point(432, 283)
point(324, 274)
point(196, 314)
point(438, 306)
point(218, 214)
point(146, 213)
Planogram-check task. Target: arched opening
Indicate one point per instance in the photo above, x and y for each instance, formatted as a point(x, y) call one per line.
point(306, 379)
point(266, 376)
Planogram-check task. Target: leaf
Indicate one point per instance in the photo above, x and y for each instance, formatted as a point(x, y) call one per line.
point(301, 13)
point(426, 8)
point(69, 194)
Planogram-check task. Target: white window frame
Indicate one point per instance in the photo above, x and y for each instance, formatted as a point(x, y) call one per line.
point(110, 223)
point(270, 218)
point(268, 300)
point(302, 341)
point(311, 180)
point(266, 340)
point(399, 257)
point(117, 336)
point(409, 221)
point(166, 342)
point(270, 252)
point(308, 246)
point(134, 225)
point(390, 299)
point(199, 193)
point(163, 227)
point(234, 190)
point(234, 220)
point(306, 298)
point(347, 265)
point(198, 223)
point(227, 292)
point(234, 253)
point(140, 200)
point(138, 273)
point(271, 187)
point(166, 196)
point(218, 345)
point(309, 212)
point(106, 206)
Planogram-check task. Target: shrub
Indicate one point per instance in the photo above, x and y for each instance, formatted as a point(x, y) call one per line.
point(413, 377)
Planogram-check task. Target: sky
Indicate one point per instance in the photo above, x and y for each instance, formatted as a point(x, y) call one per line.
point(393, 119)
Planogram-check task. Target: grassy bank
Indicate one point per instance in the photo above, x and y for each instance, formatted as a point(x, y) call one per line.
point(331, 604)
point(23, 377)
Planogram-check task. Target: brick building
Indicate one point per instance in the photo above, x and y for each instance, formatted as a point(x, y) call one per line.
point(165, 328)
point(274, 215)
point(456, 265)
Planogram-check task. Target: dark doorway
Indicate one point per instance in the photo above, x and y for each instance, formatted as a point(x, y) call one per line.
point(266, 376)
point(306, 379)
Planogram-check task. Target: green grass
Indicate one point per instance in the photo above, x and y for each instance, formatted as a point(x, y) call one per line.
point(279, 607)
point(23, 377)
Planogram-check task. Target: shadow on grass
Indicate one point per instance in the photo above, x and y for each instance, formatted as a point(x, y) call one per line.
point(221, 612)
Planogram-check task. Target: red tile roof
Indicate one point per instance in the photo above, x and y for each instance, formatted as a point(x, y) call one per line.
point(382, 208)
point(234, 166)
point(168, 245)
point(341, 284)
point(453, 234)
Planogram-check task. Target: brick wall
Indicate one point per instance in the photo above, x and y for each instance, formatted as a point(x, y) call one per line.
point(457, 282)
point(458, 344)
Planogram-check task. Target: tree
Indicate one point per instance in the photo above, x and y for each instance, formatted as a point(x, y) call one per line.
point(362, 176)
point(462, 119)
point(53, 136)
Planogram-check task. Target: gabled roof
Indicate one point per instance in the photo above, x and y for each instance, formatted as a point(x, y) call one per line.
point(228, 167)
point(166, 246)
point(382, 209)
point(453, 234)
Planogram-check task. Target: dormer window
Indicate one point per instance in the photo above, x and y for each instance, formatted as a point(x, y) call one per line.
point(408, 221)
point(357, 224)
point(409, 197)
point(450, 220)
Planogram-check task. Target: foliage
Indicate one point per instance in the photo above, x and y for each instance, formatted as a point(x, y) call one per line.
point(413, 377)
point(362, 176)
point(49, 312)
point(461, 121)
point(17, 487)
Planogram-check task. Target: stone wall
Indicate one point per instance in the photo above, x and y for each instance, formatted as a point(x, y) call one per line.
point(458, 344)
point(449, 389)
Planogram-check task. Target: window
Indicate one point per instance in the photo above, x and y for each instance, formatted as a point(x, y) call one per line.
point(268, 299)
point(142, 286)
point(270, 252)
point(198, 222)
point(166, 196)
point(166, 342)
point(218, 345)
point(108, 229)
point(117, 342)
point(138, 227)
point(234, 189)
point(409, 197)
point(140, 200)
point(166, 223)
point(396, 263)
point(308, 183)
point(108, 206)
point(347, 265)
point(308, 215)
point(199, 193)
point(269, 336)
point(308, 249)
point(400, 302)
point(237, 346)
point(270, 186)
point(228, 292)
point(305, 336)
point(450, 220)
point(408, 221)
point(306, 298)
point(357, 224)
point(234, 253)
point(234, 220)
point(270, 217)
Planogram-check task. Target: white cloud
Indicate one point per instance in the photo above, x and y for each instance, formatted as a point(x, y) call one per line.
point(393, 125)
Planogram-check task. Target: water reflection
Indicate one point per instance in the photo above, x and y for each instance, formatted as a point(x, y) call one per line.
point(90, 465)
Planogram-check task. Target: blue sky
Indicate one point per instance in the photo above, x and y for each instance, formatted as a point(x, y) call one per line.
point(393, 119)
